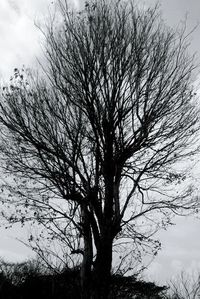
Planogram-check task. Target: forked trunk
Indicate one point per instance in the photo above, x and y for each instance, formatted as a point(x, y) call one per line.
point(86, 278)
point(96, 283)
point(85, 274)
point(102, 272)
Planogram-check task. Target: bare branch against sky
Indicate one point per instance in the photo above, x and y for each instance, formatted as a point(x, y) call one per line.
point(20, 39)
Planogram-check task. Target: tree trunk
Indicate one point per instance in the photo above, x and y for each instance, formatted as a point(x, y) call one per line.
point(86, 277)
point(86, 268)
point(102, 271)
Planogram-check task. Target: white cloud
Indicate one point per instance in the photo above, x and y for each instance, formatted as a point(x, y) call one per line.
point(18, 33)
point(180, 250)
point(20, 39)
point(11, 248)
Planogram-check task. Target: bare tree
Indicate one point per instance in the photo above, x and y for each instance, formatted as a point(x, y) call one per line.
point(185, 286)
point(91, 150)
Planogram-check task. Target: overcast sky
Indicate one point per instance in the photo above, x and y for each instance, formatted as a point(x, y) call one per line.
point(180, 243)
point(20, 45)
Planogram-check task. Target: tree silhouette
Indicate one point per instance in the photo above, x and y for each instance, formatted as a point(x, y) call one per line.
point(91, 148)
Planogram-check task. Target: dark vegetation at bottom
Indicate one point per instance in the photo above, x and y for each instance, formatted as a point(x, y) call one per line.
point(22, 281)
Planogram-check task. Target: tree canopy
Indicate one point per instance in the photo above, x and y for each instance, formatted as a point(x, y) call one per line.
point(91, 147)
